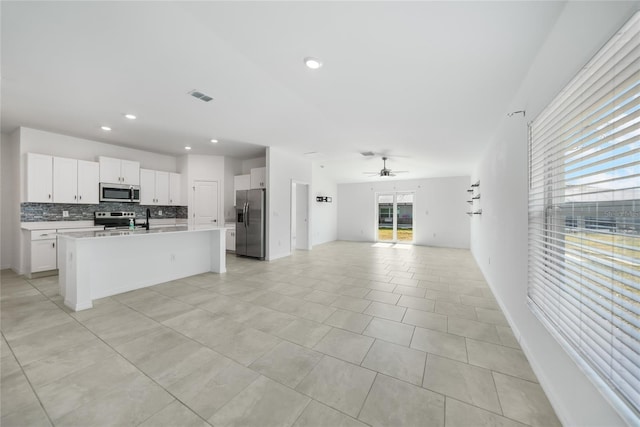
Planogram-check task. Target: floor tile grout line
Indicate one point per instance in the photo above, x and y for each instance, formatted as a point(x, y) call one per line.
point(135, 365)
point(24, 374)
point(484, 409)
point(475, 309)
point(364, 402)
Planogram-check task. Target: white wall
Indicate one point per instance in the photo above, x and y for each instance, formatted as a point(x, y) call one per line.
point(232, 167)
point(439, 210)
point(203, 168)
point(499, 236)
point(325, 215)
point(248, 164)
point(10, 249)
point(282, 167)
point(8, 198)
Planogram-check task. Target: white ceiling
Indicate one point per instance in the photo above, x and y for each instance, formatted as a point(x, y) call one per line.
point(427, 83)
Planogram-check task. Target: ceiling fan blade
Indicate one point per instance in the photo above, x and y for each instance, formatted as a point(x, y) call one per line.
point(400, 171)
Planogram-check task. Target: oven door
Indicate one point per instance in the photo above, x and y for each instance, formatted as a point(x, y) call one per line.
point(119, 193)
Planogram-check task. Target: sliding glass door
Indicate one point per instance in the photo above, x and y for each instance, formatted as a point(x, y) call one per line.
point(395, 217)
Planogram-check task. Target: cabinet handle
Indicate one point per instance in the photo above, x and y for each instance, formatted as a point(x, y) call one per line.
point(54, 245)
point(75, 197)
point(49, 195)
point(80, 197)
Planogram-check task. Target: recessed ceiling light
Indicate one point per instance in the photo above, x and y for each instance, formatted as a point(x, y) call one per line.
point(312, 63)
point(187, 148)
point(214, 141)
point(130, 116)
point(105, 128)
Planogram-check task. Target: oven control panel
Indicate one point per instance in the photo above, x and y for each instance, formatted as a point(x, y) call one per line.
point(115, 214)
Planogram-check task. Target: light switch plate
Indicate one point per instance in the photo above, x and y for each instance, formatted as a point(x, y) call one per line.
point(65, 214)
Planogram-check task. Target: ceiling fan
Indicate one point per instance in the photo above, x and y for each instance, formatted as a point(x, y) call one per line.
point(385, 171)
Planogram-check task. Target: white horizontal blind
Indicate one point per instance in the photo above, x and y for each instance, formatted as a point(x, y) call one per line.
point(584, 216)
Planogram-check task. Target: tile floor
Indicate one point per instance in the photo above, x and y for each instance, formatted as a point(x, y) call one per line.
point(345, 335)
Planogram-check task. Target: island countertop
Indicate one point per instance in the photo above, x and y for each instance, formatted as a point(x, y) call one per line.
point(96, 264)
point(90, 234)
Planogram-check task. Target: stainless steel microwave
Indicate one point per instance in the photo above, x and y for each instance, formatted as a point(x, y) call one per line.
point(119, 192)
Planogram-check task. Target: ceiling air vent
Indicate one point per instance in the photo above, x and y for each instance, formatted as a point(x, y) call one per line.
point(201, 96)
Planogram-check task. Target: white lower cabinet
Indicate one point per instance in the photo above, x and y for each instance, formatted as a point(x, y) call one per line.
point(43, 252)
point(231, 236)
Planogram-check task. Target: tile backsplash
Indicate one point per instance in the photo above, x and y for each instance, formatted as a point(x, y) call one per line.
point(36, 212)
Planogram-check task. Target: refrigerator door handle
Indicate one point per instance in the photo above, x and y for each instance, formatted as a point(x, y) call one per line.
point(244, 214)
point(247, 217)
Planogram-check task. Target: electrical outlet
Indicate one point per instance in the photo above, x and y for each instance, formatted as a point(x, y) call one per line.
point(65, 214)
point(160, 213)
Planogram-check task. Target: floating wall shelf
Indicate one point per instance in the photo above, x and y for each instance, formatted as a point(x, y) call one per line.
point(475, 199)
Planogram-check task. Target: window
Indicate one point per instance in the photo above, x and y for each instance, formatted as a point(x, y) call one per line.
point(584, 218)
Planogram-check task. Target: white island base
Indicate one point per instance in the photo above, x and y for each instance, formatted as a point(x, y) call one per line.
point(94, 265)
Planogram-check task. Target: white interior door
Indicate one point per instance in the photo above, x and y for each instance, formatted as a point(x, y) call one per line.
point(205, 202)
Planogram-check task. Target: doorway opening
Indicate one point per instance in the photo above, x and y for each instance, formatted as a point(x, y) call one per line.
point(394, 212)
point(300, 208)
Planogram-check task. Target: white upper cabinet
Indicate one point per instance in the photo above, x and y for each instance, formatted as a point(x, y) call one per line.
point(240, 182)
point(259, 178)
point(175, 195)
point(147, 187)
point(162, 188)
point(39, 178)
point(154, 187)
point(61, 180)
point(130, 172)
point(65, 180)
point(110, 170)
point(88, 182)
point(117, 171)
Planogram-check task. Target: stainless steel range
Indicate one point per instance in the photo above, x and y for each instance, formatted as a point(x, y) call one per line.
point(114, 220)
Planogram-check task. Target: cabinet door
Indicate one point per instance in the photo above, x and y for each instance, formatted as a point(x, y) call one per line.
point(65, 180)
point(259, 178)
point(88, 182)
point(110, 170)
point(162, 188)
point(43, 255)
point(147, 187)
point(175, 180)
point(240, 182)
point(39, 178)
point(231, 240)
point(130, 171)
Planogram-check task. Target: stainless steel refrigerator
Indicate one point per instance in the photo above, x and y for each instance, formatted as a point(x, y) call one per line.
point(250, 223)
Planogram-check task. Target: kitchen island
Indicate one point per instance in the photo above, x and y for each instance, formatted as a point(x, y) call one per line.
point(97, 264)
